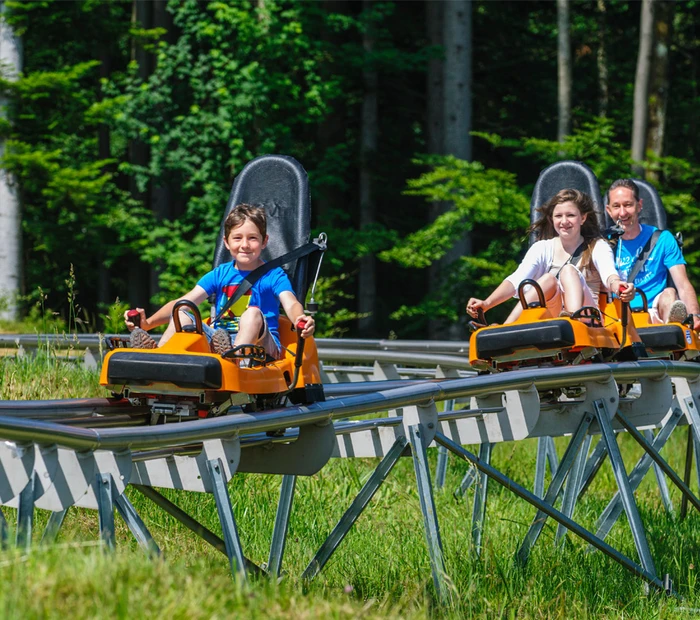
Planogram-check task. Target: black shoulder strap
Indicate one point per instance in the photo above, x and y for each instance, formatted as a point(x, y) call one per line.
point(644, 255)
point(573, 259)
point(248, 282)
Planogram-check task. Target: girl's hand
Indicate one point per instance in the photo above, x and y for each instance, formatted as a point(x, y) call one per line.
point(626, 291)
point(144, 321)
point(473, 307)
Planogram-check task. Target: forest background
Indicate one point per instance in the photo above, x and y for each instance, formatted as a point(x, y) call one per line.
point(422, 125)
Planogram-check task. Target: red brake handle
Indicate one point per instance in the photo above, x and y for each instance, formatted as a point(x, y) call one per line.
point(134, 317)
point(301, 324)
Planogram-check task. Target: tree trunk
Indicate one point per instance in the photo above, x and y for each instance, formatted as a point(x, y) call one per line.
point(434, 82)
point(457, 119)
point(658, 89)
point(331, 131)
point(367, 280)
point(435, 126)
point(140, 276)
point(602, 61)
point(10, 213)
point(564, 69)
point(641, 86)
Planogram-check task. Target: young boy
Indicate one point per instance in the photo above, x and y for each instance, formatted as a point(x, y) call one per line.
point(254, 318)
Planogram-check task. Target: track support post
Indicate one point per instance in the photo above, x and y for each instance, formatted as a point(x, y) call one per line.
point(427, 503)
point(626, 494)
point(355, 510)
point(25, 514)
point(105, 509)
point(228, 523)
point(136, 525)
point(555, 487)
point(479, 509)
point(53, 526)
point(279, 534)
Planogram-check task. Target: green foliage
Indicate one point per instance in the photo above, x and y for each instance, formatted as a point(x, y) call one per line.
point(477, 196)
point(334, 316)
point(113, 318)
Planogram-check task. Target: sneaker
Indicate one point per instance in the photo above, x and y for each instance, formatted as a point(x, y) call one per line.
point(678, 312)
point(139, 339)
point(565, 314)
point(220, 341)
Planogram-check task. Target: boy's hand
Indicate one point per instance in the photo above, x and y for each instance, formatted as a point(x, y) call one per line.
point(309, 325)
point(130, 324)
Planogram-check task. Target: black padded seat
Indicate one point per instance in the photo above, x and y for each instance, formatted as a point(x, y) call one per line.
point(663, 338)
point(561, 175)
point(280, 185)
point(185, 371)
point(506, 340)
point(653, 212)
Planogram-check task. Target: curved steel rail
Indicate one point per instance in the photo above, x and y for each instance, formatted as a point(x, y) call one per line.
point(38, 431)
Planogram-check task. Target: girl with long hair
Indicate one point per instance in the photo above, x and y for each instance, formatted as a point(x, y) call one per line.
point(571, 261)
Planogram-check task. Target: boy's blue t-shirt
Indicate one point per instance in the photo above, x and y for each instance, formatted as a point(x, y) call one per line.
point(264, 294)
point(652, 277)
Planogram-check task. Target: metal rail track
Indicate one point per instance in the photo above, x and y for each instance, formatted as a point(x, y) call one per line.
point(58, 438)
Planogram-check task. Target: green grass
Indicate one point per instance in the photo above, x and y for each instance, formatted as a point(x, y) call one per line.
point(380, 570)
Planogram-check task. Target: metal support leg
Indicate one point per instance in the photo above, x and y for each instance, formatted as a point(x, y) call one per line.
point(690, 444)
point(623, 483)
point(696, 446)
point(441, 469)
point(4, 531)
point(660, 478)
point(355, 510)
point(552, 458)
point(479, 511)
point(555, 486)
point(105, 509)
point(25, 515)
point(540, 466)
point(660, 461)
point(279, 534)
point(467, 481)
point(550, 511)
point(593, 465)
point(192, 524)
point(614, 508)
point(228, 523)
point(53, 526)
point(573, 484)
point(136, 525)
point(427, 504)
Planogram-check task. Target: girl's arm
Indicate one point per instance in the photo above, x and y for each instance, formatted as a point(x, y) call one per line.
point(504, 291)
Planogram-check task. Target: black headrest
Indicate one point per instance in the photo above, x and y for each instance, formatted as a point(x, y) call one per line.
point(653, 212)
point(280, 185)
point(565, 175)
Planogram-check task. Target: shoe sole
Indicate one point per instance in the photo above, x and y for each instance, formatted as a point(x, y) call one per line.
point(678, 312)
point(220, 342)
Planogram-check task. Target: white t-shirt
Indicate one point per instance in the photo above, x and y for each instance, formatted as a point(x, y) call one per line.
point(540, 257)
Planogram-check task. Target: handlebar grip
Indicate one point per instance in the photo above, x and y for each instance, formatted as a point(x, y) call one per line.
point(135, 317)
point(301, 324)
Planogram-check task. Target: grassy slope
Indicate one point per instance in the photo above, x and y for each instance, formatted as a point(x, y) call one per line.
point(380, 570)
